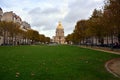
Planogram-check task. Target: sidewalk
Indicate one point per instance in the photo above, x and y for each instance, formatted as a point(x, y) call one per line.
point(101, 49)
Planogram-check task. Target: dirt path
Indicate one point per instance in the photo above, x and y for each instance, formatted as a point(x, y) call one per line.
point(113, 66)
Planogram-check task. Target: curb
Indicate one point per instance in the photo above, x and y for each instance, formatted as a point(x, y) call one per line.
point(109, 70)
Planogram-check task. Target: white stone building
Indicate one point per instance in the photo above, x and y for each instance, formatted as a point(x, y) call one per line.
point(25, 26)
point(12, 17)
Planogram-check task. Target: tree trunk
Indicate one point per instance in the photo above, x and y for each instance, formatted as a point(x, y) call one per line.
point(96, 41)
point(107, 39)
point(111, 42)
point(119, 38)
point(4, 37)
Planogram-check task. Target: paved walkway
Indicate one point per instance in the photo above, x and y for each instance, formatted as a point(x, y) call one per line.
point(98, 49)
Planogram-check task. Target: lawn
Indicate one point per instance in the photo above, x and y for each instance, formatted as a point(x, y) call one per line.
point(59, 62)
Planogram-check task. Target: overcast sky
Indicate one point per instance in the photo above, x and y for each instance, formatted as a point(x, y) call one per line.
point(44, 15)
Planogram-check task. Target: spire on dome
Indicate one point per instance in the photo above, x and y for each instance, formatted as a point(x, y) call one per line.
point(60, 25)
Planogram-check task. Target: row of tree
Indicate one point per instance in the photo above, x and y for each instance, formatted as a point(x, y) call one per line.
point(103, 27)
point(12, 34)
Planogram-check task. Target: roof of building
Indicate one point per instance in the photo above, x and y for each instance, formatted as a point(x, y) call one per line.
point(0, 9)
point(60, 26)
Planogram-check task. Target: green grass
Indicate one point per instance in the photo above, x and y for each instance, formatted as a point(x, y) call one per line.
point(53, 63)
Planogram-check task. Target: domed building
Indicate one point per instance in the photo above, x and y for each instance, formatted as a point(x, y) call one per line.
point(59, 37)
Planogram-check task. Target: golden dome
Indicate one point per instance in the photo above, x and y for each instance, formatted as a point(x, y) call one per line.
point(60, 26)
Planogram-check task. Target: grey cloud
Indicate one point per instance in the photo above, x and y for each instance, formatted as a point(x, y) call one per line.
point(51, 11)
point(47, 11)
point(44, 18)
point(26, 9)
point(36, 11)
point(80, 10)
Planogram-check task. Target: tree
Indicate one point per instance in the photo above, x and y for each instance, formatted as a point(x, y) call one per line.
point(69, 38)
point(33, 35)
point(47, 39)
point(42, 38)
point(96, 26)
point(13, 30)
point(112, 11)
point(4, 29)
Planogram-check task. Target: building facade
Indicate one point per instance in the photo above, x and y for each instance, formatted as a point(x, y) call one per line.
point(12, 17)
point(1, 13)
point(59, 37)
